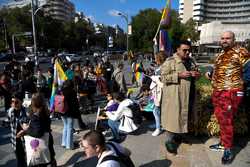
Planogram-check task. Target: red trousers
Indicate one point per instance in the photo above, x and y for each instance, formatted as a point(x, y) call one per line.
point(226, 104)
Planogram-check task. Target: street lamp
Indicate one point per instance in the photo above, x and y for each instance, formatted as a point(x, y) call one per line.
point(33, 13)
point(125, 16)
point(34, 31)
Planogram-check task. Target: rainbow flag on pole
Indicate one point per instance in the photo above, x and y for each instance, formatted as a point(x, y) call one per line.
point(165, 17)
point(59, 78)
point(165, 42)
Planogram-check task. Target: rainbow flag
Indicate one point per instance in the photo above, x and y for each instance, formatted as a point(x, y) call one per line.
point(165, 17)
point(139, 75)
point(165, 42)
point(59, 78)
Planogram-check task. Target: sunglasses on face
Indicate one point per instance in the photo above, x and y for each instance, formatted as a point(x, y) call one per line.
point(186, 50)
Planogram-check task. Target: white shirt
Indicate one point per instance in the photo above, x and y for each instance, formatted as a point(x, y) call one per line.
point(117, 115)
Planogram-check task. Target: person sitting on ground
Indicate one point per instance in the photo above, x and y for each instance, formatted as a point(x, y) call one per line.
point(112, 105)
point(121, 119)
point(146, 103)
point(94, 144)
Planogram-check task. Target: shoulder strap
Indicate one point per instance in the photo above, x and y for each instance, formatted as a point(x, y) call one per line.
point(116, 74)
point(115, 148)
point(110, 157)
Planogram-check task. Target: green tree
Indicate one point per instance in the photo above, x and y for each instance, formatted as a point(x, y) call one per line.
point(190, 31)
point(144, 26)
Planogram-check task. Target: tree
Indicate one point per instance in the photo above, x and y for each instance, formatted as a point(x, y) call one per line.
point(190, 30)
point(144, 27)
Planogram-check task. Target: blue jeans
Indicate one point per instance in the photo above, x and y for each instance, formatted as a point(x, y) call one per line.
point(157, 114)
point(67, 136)
point(114, 125)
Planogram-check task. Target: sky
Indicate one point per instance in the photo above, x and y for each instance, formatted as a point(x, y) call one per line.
point(103, 11)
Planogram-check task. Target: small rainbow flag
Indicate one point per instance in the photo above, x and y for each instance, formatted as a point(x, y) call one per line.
point(59, 78)
point(139, 75)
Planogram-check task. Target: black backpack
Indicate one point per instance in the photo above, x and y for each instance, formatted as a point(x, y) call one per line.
point(137, 115)
point(124, 160)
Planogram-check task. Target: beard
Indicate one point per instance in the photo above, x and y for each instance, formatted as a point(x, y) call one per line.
point(226, 46)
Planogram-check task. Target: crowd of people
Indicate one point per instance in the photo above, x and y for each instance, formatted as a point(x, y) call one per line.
point(167, 91)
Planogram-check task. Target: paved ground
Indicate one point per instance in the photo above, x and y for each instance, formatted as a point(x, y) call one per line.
point(147, 151)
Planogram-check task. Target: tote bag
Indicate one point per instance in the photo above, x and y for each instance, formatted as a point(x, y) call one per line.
point(37, 150)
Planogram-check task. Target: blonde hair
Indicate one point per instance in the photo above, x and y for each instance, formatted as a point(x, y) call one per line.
point(160, 57)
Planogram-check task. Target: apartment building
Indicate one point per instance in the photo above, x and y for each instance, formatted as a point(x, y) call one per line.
point(216, 16)
point(227, 11)
point(63, 10)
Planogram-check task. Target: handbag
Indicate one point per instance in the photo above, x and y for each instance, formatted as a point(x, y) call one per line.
point(60, 104)
point(37, 150)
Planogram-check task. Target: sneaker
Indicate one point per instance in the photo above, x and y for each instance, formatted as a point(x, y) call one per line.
point(217, 147)
point(227, 157)
point(156, 132)
point(171, 147)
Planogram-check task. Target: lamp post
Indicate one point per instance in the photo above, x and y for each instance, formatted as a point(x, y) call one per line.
point(34, 31)
point(33, 13)
point(125, 16)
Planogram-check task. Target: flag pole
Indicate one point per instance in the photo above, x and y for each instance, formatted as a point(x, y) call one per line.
point(158, 29)
point(159, 26)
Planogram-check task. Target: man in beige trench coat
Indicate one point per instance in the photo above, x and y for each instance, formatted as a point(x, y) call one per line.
point(178, 74)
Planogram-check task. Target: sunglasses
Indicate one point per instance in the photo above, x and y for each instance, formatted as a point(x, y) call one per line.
point(186, 50)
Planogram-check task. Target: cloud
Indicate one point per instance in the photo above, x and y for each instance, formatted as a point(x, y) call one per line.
point(113, 12)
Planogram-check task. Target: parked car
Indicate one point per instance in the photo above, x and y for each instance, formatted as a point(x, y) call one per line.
point(5, 57)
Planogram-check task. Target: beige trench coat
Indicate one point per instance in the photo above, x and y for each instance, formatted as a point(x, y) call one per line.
point(175, 98)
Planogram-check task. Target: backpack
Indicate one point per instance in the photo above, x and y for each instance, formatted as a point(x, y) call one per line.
point(137, 115)
point(124, 160)
point(60, 104)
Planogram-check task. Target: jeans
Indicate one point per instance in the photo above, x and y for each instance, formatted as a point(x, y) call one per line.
point(114, 125)
point(67, 136)
point(157, 114)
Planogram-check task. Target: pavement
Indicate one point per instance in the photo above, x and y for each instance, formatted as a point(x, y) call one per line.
point(147, 151)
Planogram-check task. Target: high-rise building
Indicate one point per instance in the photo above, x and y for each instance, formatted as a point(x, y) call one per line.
point(229, 11)
point(60, 9)
point(216, 16)
point(22, 3)
point(63, 10)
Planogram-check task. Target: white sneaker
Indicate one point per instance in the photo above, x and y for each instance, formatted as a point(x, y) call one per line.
point(156, 132)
